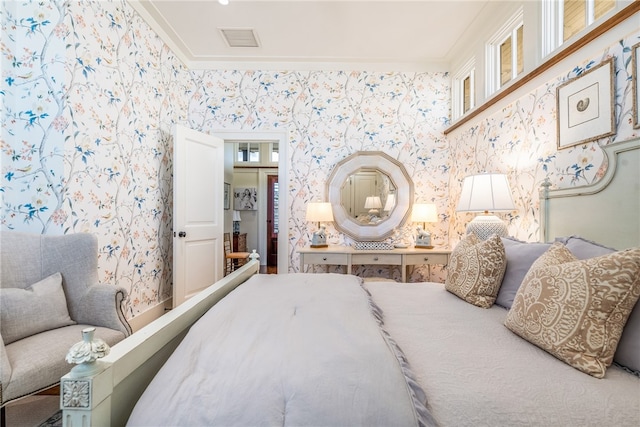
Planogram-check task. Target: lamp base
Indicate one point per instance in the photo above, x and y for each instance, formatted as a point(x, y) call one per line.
point(319, 239)
point(484, 226)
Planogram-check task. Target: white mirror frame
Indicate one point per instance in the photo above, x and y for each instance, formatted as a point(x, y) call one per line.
point(390, 167)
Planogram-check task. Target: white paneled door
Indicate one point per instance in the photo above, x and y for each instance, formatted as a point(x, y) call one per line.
point(198, 220)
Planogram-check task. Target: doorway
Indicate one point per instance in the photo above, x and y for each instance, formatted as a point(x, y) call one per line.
point(272, 224)
point(280, 171)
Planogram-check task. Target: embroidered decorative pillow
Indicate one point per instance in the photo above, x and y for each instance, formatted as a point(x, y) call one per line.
point(576, 309)
point(476, 269)
point(38, 308)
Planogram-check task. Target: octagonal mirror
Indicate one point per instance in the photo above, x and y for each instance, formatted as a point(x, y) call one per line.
point(371, 194)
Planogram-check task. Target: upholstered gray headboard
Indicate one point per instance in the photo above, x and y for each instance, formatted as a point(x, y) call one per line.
point(607, 212)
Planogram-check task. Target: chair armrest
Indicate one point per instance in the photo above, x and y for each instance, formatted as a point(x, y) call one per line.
point(102, 306)
point(5, 369)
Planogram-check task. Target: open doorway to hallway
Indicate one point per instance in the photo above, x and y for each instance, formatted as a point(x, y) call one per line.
point(258, 159)
point(272, 224)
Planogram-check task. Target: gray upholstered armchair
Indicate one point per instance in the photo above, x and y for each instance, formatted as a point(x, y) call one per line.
point(49, 293)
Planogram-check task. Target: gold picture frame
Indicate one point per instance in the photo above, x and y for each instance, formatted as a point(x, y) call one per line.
point(585, 106)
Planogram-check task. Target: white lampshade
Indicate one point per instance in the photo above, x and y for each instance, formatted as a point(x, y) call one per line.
point(236, 216)
point(319, 211)
point(484, 193)
point(372, 202)
point(424, 212)
point(390, 203)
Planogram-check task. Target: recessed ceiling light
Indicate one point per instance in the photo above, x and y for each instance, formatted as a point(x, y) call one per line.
point(223, 2)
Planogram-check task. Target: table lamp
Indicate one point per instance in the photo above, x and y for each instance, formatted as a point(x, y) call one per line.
point(319, 211)
point(373, 203)
point(484, 193)
point(424, 212)
point(390, 203)
point(236, 222)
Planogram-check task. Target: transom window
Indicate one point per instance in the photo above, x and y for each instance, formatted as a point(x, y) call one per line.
point(256, 153)
point(579, 14)
point(563, 19)
point(505, 54)
point(464, 98)
point(511, 51)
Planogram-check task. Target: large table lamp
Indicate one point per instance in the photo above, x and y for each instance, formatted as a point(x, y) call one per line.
point(424, 212)
point(319, 212)
point(374, 204)
point(487, 192)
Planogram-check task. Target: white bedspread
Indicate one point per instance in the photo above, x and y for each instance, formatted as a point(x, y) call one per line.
point(475, 372)
point(298, 349)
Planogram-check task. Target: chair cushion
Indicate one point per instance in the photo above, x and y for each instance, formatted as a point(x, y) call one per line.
point(37, 308)
point(38, 361)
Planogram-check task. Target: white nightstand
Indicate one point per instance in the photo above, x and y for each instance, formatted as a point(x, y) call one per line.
point(348, 256)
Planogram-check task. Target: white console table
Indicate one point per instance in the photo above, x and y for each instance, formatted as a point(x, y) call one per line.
point(348, 256)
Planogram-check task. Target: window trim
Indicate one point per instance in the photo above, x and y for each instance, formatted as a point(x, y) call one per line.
point(509, 29)
point(553, 23)
point(466, 70)
point(572, 47)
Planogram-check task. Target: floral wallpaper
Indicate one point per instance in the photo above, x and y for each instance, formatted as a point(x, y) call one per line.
point(89, 95)
point(520, 140)
point(328, 116)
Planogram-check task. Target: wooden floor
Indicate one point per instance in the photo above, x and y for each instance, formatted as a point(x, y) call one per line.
point(264, 269)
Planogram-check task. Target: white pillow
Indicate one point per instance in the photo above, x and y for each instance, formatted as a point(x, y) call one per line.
point(38, 308)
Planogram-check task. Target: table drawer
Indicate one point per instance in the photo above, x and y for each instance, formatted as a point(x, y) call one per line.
point(416, 259)
point(383, 259)
point(333, 259)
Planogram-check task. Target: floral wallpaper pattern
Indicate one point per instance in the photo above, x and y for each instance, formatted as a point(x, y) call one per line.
point(520, 140)
point(90, 92)
point(328, 116)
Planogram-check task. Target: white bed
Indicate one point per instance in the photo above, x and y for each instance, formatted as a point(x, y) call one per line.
point(482, 383)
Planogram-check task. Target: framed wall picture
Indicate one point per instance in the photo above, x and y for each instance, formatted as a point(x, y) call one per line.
point(585, 106)
point(635, 81)
point(227, 196)
point(245, 199)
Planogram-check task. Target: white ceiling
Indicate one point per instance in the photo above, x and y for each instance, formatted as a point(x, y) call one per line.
point(393, 34)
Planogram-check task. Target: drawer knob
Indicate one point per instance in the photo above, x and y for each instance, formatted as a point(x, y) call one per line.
point(426, 258)
point(324, 258)
point(375, 258)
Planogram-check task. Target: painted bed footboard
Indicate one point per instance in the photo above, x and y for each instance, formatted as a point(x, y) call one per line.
point(107, 397)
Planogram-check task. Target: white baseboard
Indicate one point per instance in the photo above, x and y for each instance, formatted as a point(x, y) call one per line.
point(150, 315)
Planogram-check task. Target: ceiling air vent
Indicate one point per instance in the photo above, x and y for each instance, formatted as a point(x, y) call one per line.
point(240, 37)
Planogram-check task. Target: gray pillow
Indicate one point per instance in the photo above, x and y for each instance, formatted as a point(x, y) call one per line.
point(38, 308)
point(628, 351)
point(582, 248)
point(520, 256)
